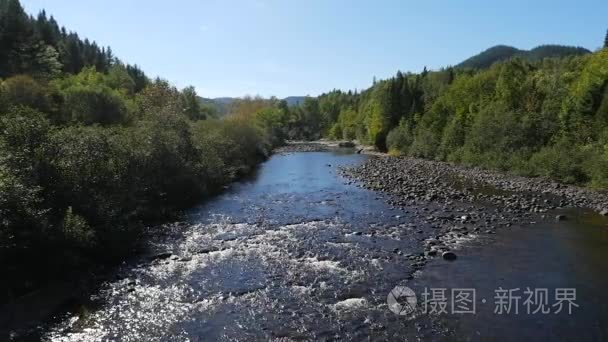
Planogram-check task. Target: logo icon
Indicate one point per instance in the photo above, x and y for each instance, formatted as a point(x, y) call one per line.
point(402, 300)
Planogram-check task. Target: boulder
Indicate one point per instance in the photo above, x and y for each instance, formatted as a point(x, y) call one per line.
point(346, 144)
point(449, 256)
point(604, 212)
point(162, 256)
point(560, 218)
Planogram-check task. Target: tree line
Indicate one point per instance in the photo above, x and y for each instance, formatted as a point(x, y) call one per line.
point(547, 117)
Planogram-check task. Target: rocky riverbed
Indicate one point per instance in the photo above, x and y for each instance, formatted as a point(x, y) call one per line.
point(303, 146)
point(462, 203)
point(325, 146)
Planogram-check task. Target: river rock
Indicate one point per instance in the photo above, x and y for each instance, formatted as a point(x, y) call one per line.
point(560, 218)
point(347, 144)
point(449, 256)
point(162, 256)
point(604, 212)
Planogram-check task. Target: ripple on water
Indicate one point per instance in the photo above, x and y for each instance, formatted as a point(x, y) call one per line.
point(227, 272)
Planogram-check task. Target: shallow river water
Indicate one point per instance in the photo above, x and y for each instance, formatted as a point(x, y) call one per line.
point(296, 252)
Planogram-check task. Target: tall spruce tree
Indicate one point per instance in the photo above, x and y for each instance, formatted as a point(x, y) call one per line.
point(14, 32)
point(606, 40)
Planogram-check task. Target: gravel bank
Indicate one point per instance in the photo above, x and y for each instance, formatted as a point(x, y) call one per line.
point(325, 146)
point(462, 203)
point(303, 146)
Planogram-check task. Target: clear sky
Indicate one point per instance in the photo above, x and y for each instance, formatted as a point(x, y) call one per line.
point(293, 47)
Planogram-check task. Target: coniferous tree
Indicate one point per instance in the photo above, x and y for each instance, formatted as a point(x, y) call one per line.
point(38, 46)
point(138, 76)
point(191, 105)
point(606, 40)
point(14, 32)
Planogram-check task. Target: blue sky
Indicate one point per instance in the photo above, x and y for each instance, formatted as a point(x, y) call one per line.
point(290, 47)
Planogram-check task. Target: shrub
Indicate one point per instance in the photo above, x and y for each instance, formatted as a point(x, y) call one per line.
point(399, 139)
point(22, 90)
point(94, 104)
point(76, 231)
point(562, 161)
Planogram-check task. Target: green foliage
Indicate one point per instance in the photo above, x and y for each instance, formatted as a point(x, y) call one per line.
point(86, 189)
point(91, 155)
point(76, 230)
point(274, 121)
point(562, 161)
point(308, 121)
point(91, 104)
point(400, 138)
point(23, 135)
point(119, 78)
point(22, 90)
point(527, 114)
point(240, 143)
point(40, 48)
point(347, 124)
point(191, 106)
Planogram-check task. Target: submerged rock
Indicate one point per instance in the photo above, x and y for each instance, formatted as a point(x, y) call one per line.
point(449, 256)
point(162, 256)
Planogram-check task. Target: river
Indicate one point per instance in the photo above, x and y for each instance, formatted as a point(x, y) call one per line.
point(297, 252)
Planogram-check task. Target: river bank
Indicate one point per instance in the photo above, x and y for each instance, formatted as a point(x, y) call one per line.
point(461, 203)
point(417, 181)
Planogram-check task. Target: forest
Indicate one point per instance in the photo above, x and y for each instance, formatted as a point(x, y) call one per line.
point(544, 117)
point(92, 151)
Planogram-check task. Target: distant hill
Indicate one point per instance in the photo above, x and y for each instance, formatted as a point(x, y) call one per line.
point(221, 105)
point(504, 52)
point(294, 100)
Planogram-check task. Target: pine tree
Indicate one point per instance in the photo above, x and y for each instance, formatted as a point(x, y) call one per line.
point(14, 32)
point(138, 76)
point(191, 105)
point(606, 40)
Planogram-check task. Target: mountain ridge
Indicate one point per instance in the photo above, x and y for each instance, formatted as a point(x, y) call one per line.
point(499, 53)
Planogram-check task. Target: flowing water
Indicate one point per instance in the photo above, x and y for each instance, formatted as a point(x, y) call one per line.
point(296, 252)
